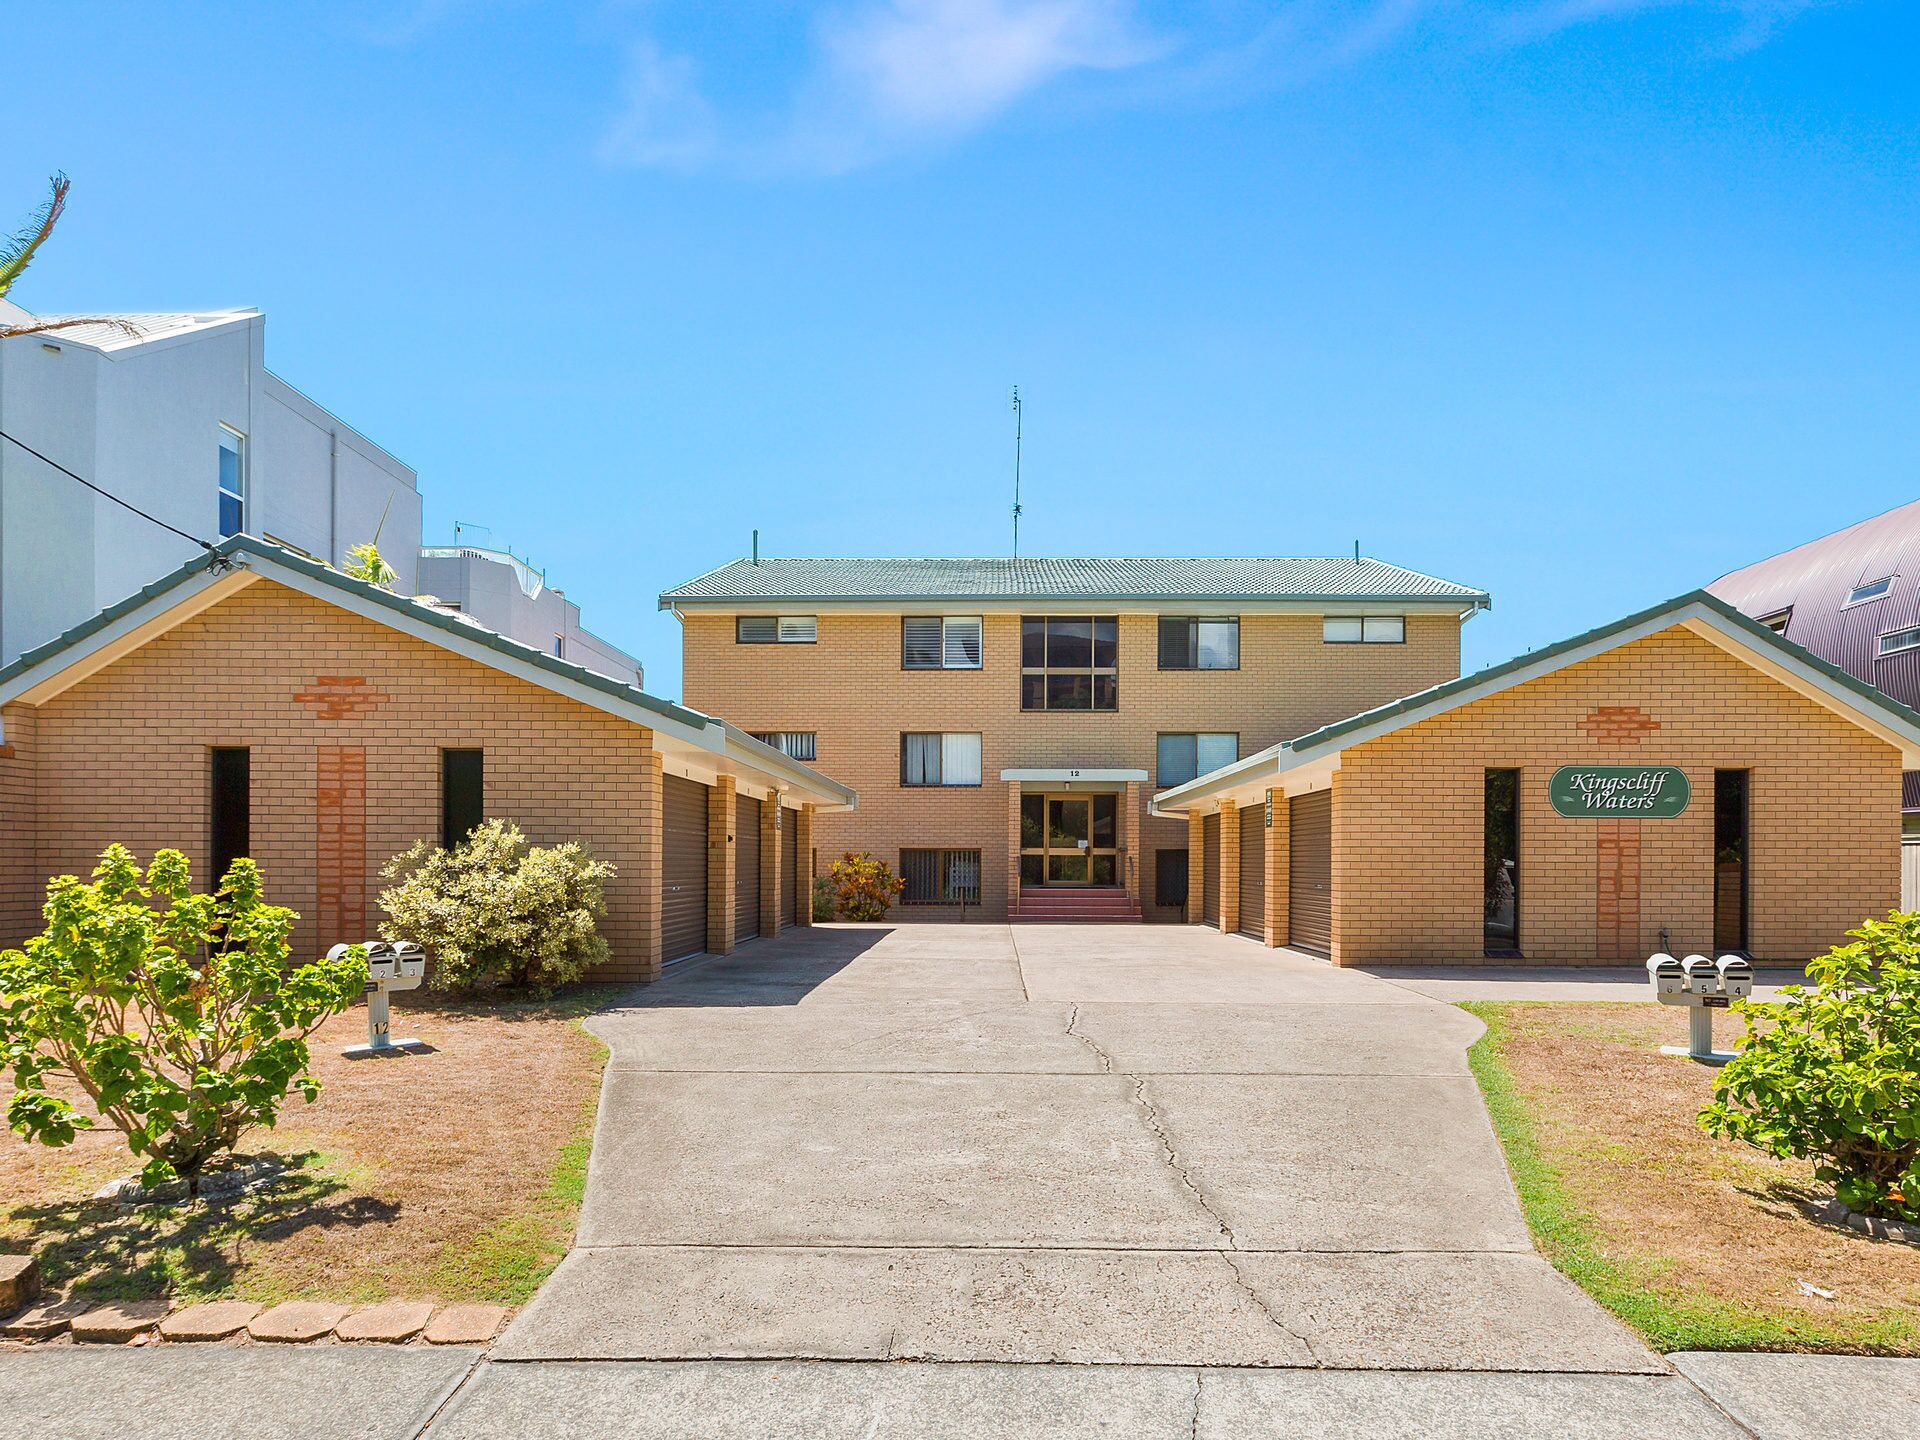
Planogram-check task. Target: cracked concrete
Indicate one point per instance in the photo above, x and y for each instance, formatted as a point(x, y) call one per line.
point(1108, 1146)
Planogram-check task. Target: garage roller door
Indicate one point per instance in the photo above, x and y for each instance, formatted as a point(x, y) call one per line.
point(789, 870)
point(1310, 871)
point(746, 862)
point(683, 870)
point(1253, 871)
point(1210, 869)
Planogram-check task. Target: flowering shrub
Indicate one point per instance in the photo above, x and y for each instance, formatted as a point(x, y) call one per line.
point(496, 910)
point(176, 1013)
point(1831, 1072)
point(863, 887)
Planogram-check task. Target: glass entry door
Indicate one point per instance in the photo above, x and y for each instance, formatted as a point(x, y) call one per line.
point(1069, 840)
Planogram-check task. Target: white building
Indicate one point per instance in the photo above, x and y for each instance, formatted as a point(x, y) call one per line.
point(505, 593)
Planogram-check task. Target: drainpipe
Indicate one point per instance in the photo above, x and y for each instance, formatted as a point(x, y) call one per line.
point(333, 496)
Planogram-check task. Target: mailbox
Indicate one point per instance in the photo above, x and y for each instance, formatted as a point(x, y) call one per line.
point(412, 958)
point(1736, 977)
point(1703, 976)
point(1669, 977)
point(391, 965)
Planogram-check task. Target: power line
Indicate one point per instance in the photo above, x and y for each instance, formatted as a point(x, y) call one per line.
point(125, 505)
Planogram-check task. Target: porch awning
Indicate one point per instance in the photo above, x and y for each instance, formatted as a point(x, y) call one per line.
point(1067, 777)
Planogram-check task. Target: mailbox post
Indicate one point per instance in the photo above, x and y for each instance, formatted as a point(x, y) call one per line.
point(1703, 987)
point(391, 965)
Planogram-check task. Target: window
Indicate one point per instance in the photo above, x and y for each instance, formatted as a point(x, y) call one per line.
point(1183, 757)
point(1777, 622)
point(1895, 641)
point(1871, 590)
point(1363, 629)
point(934, 759)
point(559, 647)
point(231, 812)
point(462, 794)
point(1731, 819)
point(794, 744)
point(940, 642)
point(940, 877)
point(775, 630)
point(1069, 663)
point(1199, 644)
point(1501, 880)
point(233, 482)
point(1170, 877)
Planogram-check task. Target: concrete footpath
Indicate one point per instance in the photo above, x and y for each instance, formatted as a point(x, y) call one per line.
point(369, 1393)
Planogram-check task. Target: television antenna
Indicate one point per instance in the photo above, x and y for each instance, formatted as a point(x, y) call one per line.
point(1014, 400)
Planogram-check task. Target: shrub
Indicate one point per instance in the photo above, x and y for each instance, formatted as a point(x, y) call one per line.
point(496, 910)
point(863, 887)
point(1831, 1072)
point(176, 1013)
point(822, 898)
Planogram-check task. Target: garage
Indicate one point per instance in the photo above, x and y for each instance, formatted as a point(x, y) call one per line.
point(1253, 871)
point(1310, 871)
point(683, 870)
point(789, 870)
point(746, 863)
point(1210, 869)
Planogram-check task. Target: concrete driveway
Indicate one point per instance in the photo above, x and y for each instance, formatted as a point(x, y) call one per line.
point(1133, 1145)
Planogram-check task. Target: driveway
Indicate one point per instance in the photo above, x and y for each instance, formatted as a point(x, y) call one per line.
point(1133, 1145)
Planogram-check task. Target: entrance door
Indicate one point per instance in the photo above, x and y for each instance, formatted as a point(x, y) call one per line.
point(1730, 867)
point(683, 870)
point(1068, 840)
point(1310, 871)
point(746, 867)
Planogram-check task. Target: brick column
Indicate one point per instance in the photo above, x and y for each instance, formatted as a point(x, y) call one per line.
point(802, 822)
point(1013, 849)
point(1277, 869)
point(1344, 886)
point(770, 819)
point(1229, 868)
point(1196, 866)
point(22, 886)
point(652, 820)
point(1133, 861)
point(720, 866)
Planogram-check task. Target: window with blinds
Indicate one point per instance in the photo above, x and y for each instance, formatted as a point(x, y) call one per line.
point(940, 877)
point(940, 642)
point(796, 744)
point(939, 759)
point(1184, 757)
point(1197, 643)
point(775, 630)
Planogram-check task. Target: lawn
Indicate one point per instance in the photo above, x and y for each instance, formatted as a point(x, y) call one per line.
point(1699, 1244)
point(455, 1175)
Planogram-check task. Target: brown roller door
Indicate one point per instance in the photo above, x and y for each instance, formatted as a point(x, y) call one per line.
point(1210, 869)
point(1310, 871)
point(789, 870)
point(683, 870)
point(746, 867)
point(1253, 871)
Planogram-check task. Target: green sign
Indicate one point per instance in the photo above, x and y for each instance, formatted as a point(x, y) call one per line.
point(1619, 792)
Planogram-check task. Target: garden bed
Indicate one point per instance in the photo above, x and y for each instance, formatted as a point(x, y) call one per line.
point(451, 1176)
point(1699, 1244)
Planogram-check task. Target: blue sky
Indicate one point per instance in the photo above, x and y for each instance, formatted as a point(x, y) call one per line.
point(1582, 301)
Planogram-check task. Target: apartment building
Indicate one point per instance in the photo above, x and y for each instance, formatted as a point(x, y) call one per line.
point(506, 593)
point(1006, 722)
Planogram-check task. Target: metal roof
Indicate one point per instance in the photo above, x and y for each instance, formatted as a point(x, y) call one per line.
point(1337, 578)
point(131, 329)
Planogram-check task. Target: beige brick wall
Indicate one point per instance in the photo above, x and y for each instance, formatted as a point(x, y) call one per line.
point(124, 756)
point(850, 690)
point(1825, 816)
point(20, 889)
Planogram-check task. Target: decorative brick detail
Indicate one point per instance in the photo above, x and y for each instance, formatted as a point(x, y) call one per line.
point(1616, 889)
point(340, 697)
point(1618, 724)
point(340, 836)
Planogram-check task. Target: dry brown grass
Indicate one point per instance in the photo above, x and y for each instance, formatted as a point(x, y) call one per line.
point(449, 1176)
point(1716, 1235)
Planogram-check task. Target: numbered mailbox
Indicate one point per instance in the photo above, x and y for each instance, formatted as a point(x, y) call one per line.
point(1703, 976)
point(1669, 977)
point(1736, 976)
point(412, 962)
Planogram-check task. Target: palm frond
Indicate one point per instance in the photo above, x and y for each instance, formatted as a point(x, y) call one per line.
point(39, 327)
point(16, 252)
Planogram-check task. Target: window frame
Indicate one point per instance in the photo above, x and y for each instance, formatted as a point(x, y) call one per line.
point(1884, 651)
point(779, 623)
point(1193, 624)
point(943, 858)
point(1160, 781)
point(776, 740)
point(1884, 588)
point(229, 809)
point(1161, 871)
point(979, 636)
point(1778, 620)
point(1363, 638)
point(241, 498)
point(1092, 672)
point(449, 822)
point(980, 746)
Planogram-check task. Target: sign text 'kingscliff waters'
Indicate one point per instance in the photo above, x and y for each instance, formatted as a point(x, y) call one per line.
point(1619, 792)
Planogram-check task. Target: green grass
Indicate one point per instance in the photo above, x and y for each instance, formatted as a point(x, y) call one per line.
point(1566, 1234)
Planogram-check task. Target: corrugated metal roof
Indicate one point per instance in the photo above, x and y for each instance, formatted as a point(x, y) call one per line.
point(1307, 578)
point(133, 329)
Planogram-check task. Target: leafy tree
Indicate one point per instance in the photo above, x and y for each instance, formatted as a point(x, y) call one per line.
point(17, 252)
point(496, 910)
point(863, 887)
point(364, 562)
point(176, 1013)
point(1831, 1072)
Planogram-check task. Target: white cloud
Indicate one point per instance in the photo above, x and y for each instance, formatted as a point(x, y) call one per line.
point(667, 122)
point(1755, 21)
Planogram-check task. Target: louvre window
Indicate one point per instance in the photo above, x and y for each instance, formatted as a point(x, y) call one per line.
point(775, 630)
point(1363, 629)
point(940, 642)
point(795, 744)
point(1069, 663)
point(1199, 644)
point(939, 759)
point(1895, 641)
point(940, 877)
point(1184, 757)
